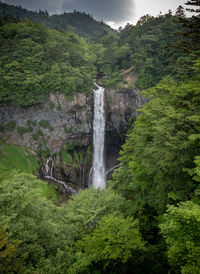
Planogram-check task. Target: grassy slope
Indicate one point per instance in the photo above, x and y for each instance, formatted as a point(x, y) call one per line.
point(13, 157)
point(20, 159)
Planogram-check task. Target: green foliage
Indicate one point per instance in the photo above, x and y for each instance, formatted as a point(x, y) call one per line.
point(160, 163)
point(68, 130)
point(32, 219)
point(10, 125)
point(10, 261)
point(13, 157)
point(34, 123)
point(22, 130)
point(114, 240)
point(35, 137)
point(26, 79)
point(59, 108)
point(162, 143)
point(39, 132)
point(89, 206)
point(150, 52)
point(43, 154)
point(147, 47)
point(181, 228)
point(51, 104)
point(78, 22)
point(67, 158)
point(44, 123)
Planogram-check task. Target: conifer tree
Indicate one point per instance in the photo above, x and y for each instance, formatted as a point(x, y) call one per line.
point(180, 12)
point(193, 3)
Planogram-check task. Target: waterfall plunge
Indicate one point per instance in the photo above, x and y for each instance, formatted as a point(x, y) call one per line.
point(99, 176)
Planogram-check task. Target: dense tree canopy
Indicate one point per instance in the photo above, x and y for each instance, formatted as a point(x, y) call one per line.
point(36, 61)
point(163, 142)
point(78, 22)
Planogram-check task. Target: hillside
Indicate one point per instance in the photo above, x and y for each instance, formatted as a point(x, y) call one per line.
point(99, 177)
point(35, 61)
point(78, 22)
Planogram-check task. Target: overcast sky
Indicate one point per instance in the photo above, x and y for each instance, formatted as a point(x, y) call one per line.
point(114, 12)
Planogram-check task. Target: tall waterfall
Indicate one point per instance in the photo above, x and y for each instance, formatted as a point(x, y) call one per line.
point(99, 176)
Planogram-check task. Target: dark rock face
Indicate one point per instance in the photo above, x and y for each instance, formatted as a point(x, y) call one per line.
point(122, 109)
point(60, 121)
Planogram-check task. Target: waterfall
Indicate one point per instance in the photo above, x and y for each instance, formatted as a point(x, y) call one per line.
point(48, 174)
point(68, 188)
point(49, 167)
point(98, 175)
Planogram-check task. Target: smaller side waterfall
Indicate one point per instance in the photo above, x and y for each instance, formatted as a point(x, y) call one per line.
point(98, 169)
point(49, 169)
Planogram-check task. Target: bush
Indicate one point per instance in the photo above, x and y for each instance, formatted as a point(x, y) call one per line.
point(1, 128)
point(34, 123)
point(22, 130)
point(59, 108)
point(10, 125)
point(39, 132)
point(44, 123)
point(35, 137)
point(51, 104)
point(28, 123)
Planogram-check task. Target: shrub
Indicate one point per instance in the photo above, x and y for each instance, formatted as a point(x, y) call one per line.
point(10, 125)
point(44, 123)
point(21, 130)
point(39, 132)
point(59, 108)
point(51, 104)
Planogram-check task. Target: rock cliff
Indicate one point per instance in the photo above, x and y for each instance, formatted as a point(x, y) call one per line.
point(63, 127)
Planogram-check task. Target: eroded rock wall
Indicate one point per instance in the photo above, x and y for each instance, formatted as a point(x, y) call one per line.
point(66, 125)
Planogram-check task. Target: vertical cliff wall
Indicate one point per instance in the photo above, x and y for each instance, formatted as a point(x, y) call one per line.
point(63, 127)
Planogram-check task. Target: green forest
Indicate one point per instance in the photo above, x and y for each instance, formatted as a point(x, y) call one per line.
point(147, 220)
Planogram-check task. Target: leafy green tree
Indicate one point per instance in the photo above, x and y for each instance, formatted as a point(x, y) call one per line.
point(180, 227)
point(33, 219)
point(36, 61)
point(149, 42)
point(90, 206)
point(78, 22)
point(114, 240)
point(144, 19)
point(163, 142)
point(10, 261)
point(188, 43)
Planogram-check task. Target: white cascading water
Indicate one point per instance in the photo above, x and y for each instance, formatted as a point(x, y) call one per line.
point(49, 167)
point(49, 175)
point(98, 175)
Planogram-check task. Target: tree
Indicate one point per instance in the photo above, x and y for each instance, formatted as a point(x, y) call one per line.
point(144, 19)
point(180, 227)
point(26, 79)
point(114, 240)
point(90, 206)
point(160, 146)
point(193, 3)
point(180, 12)
point(10, 260)
point(33, 219)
